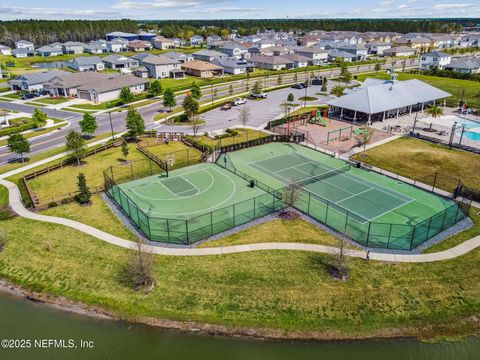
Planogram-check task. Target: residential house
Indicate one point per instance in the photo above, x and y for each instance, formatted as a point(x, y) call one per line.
point(276, 51)
point(317, 56)
point(399, 51)
point(232, 65)
point(307, 40)
point(359, 50)
point(34, 81)
point(297, 61)
point(213, 38)
point(264, 43)
point(49, 51)
point(73, 47)
point(207, 55)
point(434, 59)
point(139, 45)
point(23, 53)
point(160, 67)
point(270, 62)
point(87, 63)
point(96, 47)
point(215, 45)
point(465, 65)
point(179, 42)
point(252, 38)
point(180, 57)
point(162, 43)
point(196, 40)
point(119, 62)
point(202, 69)
point(117, 45)
point(421, 44)
point(233, 49)
point(141, 72)
point(24, 44)
point(378, 47)
point(5, 50)
point(345, 56)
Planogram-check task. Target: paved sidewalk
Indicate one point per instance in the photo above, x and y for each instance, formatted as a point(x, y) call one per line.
point(17, 206)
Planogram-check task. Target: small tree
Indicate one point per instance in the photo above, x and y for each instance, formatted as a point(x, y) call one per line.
point(257, 87)
point(125, 149)
point(195, 124)
point(137, 273)
point(345, 74)
point(195, 91)
point(290, 98)
point(190, 106)
point(39, 118)
point(291, 195)
point(244, 115)
point(18, 144)
point(169, 98)
point(230, 90)
point(339, 270)
point(279, 80)
point(88, 125)
point(337, 90)
point(84, 194)
point(324, 85)
point(75, 145)
point(286, 107)
point(295, 77)
point(126, 95)
point(434, 111)
point(155, 88)
point(364, 136)
point(378, 67)
point(134, 123)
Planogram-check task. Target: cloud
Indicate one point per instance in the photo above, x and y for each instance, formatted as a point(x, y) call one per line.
point(161, 4)
point(56, 12)
point(216, 10)
point(441, 7)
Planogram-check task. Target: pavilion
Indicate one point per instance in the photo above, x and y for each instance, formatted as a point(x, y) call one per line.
point(376, 99)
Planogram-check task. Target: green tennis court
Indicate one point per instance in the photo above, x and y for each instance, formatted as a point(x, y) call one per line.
point(193, 203)
point(372, 209)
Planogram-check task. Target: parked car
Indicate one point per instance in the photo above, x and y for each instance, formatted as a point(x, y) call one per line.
point(44, 92)
point(317, 81)
point(239, 101)
point(226, 106)
point(259, 95)
point(27, 96)
point(297, 86)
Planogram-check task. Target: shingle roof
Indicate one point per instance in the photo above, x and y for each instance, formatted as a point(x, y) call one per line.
point(200, 66)
point(40, 77)
point(231, 62)
point(159, 60)
point(436, 54)
point(87, 60)
point(273, 60)
point(113, 82)
point(388, 95)
point(210, 53)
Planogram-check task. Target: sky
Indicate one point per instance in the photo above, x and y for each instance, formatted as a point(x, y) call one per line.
point(236, 9)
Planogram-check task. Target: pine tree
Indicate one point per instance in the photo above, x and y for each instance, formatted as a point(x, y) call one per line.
point(125, 149)
point(84, 194)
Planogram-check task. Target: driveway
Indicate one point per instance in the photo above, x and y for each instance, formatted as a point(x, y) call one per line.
point(262, 111)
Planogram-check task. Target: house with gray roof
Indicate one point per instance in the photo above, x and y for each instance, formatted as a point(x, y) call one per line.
point(232, 65)
point(379, 99)
point(316, 55)
point(49, 51)
point(24, 44)
point(180, 57)
point(115, 61)
point(359, 50)
point(117, 45)
point(160, 67)
point(399, 51)
point(334, 54)
point(207, 55)
point(87, 63)
point(465, 65)
point(234, 49)
point(434, 59)
point(196, 40)
point(23, 53)
point(73, 47)
point(270, 62)
point(297, 61)
point(378, 47)
point(35, 80)
point(5, 50)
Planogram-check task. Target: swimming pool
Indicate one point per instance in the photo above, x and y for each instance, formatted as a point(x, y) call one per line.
point(472, 129)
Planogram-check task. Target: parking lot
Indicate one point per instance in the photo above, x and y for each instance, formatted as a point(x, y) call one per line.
point(262, 111)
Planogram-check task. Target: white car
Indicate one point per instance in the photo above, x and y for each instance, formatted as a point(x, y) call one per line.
point(239, 101)
point(259, 95)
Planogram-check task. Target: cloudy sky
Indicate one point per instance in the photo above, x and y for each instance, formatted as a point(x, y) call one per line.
point(221, 9)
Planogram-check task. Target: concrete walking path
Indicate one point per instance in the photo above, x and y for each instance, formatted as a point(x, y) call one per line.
point(17, 206)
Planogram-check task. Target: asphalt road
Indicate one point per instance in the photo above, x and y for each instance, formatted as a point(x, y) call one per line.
point(57, 138)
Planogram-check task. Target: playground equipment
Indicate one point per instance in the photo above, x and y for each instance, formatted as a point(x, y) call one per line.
point(340, 134)
point(316, 118)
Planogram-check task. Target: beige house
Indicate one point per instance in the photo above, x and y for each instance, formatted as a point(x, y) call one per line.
point(202, 69)
point(162, 43)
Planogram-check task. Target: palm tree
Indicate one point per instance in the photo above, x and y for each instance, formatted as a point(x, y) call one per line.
point(434, 111)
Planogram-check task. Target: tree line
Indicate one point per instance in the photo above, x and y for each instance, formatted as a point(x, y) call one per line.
point(43, 32)
point(172, 28)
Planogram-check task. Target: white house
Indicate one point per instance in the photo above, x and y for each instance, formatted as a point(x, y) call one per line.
point(196, 40)
point(24, 44)
point(317, 56)
point(35, 80)
point(87, 63)
point(207, 55)
point(160, 67)
point(232, 65)
point(5, 50)
point(162, 43)
point(117, 45)
point(270, 62)
point(49, 51)
point(378, 47)
point(73, 47)
point(434, 59)
point(232, 49)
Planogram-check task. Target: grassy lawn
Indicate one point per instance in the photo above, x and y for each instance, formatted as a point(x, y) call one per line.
point(295, 231)
point(64, 181)
point(417, 158)
point(34, 134)
point(14, 96)
point(52, 101)
point(308, 98)
point(35, 104)
point(100, 106)
point(78, 110)
point(183, 155)
point(98, 215)
point(3, 196)
point(243, 135)
point(284, 290)
point(452, 86)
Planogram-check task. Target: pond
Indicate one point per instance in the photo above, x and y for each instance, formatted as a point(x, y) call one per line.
point(52, 65)
point(23, 319)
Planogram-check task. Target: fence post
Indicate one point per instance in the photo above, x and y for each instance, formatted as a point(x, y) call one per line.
point(308, 206)
point(233, 206)
point(168, 231)
point(368, 232)
point(413, 236)
point(186, 231)
point(188, 158)
point(254, 207)
point(148, 224)
point(211, 222)
point(434, 182)
point(131, 169)
point(346, 224)
point(389, 236)
point(326, 213)
point(429, 224)
point(443, 220)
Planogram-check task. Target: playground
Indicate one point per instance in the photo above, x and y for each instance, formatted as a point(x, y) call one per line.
point(334, 135)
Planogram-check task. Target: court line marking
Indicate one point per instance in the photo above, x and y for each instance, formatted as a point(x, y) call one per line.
point(178, 195)
point(354, 195)
point(204, 210)
point(132, 189)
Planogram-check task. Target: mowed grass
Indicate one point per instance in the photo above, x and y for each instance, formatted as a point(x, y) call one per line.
point(98, 214)
point(181, 154)
point(243, 136)
point(295, 231)
point(284, 290)
point(52, 101)
point(61, 182)
point(415, 159)
point(456, 87)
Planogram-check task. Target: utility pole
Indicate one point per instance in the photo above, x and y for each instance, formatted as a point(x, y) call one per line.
point(111, 124)
point(415, 121)
point(211, 93)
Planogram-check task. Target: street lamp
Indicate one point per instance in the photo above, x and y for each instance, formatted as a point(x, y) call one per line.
point(111, 125)
point(415, 121)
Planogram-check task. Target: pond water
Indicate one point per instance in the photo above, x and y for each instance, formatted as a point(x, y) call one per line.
point(52, 65)
point(23, 319)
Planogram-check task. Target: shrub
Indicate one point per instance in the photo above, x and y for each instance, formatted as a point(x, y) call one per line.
point(17, 129)
point(52, 204)
point(232, 132)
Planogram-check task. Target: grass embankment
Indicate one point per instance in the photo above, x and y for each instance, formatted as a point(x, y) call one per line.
point(36, 133)
point(456, 87)
point(181, 154)
point(242, 136)
point(295, 231)
point(282, 290)
point(415, 159)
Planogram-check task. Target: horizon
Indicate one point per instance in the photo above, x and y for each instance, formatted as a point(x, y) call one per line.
point(158, 10)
